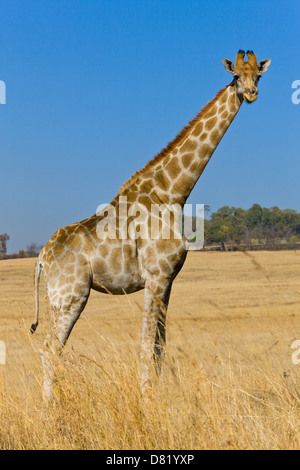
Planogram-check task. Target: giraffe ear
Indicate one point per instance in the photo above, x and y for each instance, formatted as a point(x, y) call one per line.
point(229, 66)
point(264, 65)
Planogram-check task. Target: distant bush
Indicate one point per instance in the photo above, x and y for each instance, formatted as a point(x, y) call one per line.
point(31, 251)
point(261, 225)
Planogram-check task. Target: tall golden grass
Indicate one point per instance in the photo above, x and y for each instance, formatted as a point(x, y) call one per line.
point(228, 379)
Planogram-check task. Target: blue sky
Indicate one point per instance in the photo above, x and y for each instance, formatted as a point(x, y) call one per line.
point(95, 89)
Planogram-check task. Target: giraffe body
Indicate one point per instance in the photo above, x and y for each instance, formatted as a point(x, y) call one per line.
point(82, 256)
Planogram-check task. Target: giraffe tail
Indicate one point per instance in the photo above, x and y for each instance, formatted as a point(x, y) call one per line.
point(37, 275)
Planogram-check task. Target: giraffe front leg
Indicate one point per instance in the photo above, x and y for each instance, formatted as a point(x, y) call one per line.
point(160, 335)
point(153, 331)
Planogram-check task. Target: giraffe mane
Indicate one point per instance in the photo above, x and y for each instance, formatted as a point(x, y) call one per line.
point(173, 143)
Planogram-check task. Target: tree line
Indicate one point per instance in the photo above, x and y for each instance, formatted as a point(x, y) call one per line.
point(31, 250)
point(264, 227)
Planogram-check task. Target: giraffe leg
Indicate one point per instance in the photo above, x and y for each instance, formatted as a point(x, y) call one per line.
point(160, 336)
point(63, 320)
point(153, 331)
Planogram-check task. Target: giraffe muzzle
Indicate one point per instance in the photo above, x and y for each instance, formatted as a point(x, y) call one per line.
point(250, 95)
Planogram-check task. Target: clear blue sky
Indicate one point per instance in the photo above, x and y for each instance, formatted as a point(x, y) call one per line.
point(96, 88)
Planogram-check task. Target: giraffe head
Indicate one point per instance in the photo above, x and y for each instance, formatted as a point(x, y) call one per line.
point(247, 74)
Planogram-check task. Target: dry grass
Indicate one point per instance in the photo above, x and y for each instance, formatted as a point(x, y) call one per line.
point(228, 380)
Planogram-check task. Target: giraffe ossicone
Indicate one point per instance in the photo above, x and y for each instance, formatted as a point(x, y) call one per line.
point(77, 259)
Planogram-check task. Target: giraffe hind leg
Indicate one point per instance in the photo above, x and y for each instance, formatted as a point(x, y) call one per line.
point(63, 320)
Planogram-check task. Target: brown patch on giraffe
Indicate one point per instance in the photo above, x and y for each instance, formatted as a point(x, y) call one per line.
point(81, 260)
point(155, 288)
point(69, 257)
point(225, 114)
point(131, 195)
point(158, 198)
point(205, 151)
point(145, 200)
point(62, 236)
point(187, 159)
point(146, 186)
point(203, 136)
point(115, 260)
point(211, 123)
point(68, 300)
point(58, 250)
point(77, 289)
point(150, 254)
point(69, 269)
point(173, 259)
point(91, 223)
point(99, 266)
point(128, 256)
point(103, 251)
point(231, 118)
point(76, 242)
point(83, 275)
point(212, 112)
point(149, 226)
point(194, 167)
point(223, 98)
point(83, 228)
point(60, 263)
point(172, 220)
point(188, 146)
point(134, 187)
point(198, 129)
point(161, 246)
point(181, 186)
point(65, 290)
point(223, 126)
point(138, 229)
point(90, 242)
point(232, 103)
point(203, 164)
point(222, 108)
point(48, 257)
point(161, 180)
point(215, 137)
point(164, 266)
point(173, 168)
point(226, 123)
point(62, 280)
point(172, 232)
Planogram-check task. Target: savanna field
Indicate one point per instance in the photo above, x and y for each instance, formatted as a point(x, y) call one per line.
point(228, 379)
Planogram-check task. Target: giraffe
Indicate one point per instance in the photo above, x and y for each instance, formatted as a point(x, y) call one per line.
point(83, 256)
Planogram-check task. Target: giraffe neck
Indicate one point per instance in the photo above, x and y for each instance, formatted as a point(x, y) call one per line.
point(175, 171)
